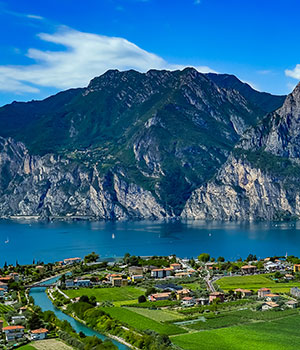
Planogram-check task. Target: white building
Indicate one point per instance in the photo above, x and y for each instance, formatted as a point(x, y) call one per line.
point(17, 319)
point(39, 334)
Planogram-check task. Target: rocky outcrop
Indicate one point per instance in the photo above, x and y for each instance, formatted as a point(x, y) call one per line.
point(55, 187)
point(261, 178)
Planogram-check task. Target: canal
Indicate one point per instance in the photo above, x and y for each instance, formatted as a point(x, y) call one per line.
point(41, 299)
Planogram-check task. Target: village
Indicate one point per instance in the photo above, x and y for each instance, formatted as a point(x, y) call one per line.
point(168, 295)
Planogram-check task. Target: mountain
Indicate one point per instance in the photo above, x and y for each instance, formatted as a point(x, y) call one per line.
point(261, 178)
point(130, 145)
point(265, 101)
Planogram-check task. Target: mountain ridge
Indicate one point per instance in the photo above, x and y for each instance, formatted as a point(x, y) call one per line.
point(158, 136)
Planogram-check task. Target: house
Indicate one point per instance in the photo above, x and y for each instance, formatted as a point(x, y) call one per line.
point(161, 273)
point(295, 292)
point(39, 334)
point(71, 261)
point(82, 282)
point(216, 295)
point(15, 276)
point(4, 286)
point(110, 277)
point(272, 266)
point(135, 278)
point(269, 305)
point(18, 319)
point(188, 301)
point(262, 292)
point(159, 296)
point(182, 294)
point(2, 291)
point(148, 268)
point(248, 269)
point(244, 292)
point(182, 274)
point(288, 277)
point(119, 282)
point(202, 301)
point(13, 332)
point(296, 268)
point(135, 270)
point(175, 266)
point(70, 283)
point(40, 268)
point(272, 297)
point(5, 279)
point(292, 304)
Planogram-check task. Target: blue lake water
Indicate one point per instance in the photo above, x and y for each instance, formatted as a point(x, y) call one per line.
point(50, 242)
point(41, 299)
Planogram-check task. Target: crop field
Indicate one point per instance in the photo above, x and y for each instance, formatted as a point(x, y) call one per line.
point(255, 282)
point(157, 315)
point(227, 319)
point(107, 294)
point(281, 334)
point(141, 322)
point(5, 308)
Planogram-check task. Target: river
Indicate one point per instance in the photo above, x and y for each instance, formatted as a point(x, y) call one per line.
point(49, 242)
point(41, 299)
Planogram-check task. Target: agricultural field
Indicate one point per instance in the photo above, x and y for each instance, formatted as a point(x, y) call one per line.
point(5, 308)
point(255, 282)
point(141, 322)
point(107, 294)
point(281, 334)
point(157, 315)
point(234, 318)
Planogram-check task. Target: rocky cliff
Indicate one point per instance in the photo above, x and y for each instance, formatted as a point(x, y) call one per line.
point(261, 178)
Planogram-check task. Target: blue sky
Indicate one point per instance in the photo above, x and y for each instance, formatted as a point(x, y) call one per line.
point(50, 45)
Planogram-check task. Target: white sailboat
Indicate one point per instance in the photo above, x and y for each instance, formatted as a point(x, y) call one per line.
point(7, 241)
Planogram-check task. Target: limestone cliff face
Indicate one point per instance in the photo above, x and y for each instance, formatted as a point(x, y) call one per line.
point(51, 186)
point(261, 178)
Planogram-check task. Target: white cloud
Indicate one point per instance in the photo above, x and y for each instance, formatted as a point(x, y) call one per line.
point(34, 17)
point(294, 73)
point(85, 56)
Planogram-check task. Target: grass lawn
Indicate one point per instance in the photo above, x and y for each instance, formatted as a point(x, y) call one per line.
point(157, 315)
point(141, 322)
point(281, 334)
point(107, 294)
point(255, 282)
point(27, 347)
point(192, 286)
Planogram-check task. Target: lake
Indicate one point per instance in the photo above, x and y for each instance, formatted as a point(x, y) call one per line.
point(49, 242)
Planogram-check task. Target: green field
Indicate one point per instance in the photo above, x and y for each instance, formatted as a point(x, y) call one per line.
point(281, 334)
point(234, 318)
point(255, 282)
point(27, 347)
point(141, 322)
point(157, 315)
point(5, 308)
point(107, 294)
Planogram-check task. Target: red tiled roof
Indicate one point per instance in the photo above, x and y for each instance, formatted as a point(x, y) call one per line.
point(10, 328)
point(40, 330)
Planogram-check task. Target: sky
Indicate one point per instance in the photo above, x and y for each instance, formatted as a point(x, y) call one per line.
point(52, 45)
